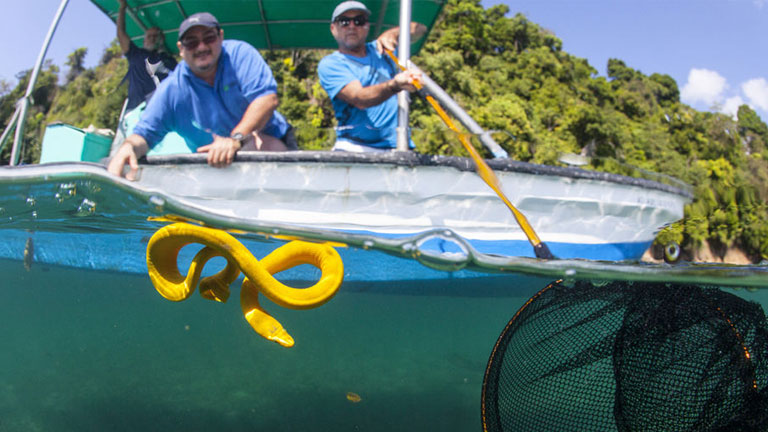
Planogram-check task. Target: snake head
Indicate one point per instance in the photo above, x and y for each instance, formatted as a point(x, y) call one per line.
point(281, 337)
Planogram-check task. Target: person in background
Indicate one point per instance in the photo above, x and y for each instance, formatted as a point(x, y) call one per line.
point(362, 80)
point(147, 66)
point(221, 98)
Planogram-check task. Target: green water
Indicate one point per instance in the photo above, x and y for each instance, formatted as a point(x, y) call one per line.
point(87, 350)
point(90, 350)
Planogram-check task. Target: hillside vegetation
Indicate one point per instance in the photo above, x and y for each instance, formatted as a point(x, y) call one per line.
point(514, 78)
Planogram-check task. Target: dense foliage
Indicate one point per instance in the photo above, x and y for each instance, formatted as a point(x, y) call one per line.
point(88, 97)
point(514, 78)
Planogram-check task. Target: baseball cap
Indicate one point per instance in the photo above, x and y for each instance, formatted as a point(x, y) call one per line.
point(348, 6)
point(199, 19)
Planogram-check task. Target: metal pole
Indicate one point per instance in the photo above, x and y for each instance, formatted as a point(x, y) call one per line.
point(452, 107)
point(404, 54)
point(24, 102)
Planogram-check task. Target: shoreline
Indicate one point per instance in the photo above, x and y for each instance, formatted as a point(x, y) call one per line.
point(704, 254)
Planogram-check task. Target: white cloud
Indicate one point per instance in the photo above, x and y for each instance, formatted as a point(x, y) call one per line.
point(759, 3)
point(731, 106)
point(704, 86)
point(756, 90)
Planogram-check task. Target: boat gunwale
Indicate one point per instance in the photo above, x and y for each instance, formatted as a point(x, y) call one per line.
point(412, 159)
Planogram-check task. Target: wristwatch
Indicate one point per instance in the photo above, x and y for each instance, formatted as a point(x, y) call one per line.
point(237, 136)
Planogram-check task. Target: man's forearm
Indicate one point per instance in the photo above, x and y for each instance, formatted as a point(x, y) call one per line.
point(365, 97)
point(417, 31)
point(122, 35)
point(390, 38)
point(257, 115)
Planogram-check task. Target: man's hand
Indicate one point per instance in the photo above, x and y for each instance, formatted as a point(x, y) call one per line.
point(405, 80)
point(125, 154)
point(221, 152)
point(388, 41)
point(390, 38)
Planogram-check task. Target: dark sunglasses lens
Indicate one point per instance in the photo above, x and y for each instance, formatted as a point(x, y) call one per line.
point(358, 20)
point(190, 43)
point(210, 38)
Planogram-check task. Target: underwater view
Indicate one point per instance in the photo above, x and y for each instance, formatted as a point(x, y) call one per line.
point(90, 344)
point(88, 350)
point(374, 290)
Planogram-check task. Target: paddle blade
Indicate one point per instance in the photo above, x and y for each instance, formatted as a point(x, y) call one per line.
point(542, 251)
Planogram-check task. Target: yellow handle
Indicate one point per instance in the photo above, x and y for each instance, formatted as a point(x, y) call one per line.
point(485, 172)
point(162, 256)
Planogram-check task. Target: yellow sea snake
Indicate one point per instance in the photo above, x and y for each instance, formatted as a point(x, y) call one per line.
point(162, 256)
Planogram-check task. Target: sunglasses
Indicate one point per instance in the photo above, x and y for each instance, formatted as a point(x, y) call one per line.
point(192, 43)
point(359, 21)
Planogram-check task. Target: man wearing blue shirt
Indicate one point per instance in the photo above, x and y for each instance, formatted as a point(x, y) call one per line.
point(362, 80)
point(220, 99)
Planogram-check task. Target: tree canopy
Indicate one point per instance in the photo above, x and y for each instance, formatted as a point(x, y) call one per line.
point(514, 78)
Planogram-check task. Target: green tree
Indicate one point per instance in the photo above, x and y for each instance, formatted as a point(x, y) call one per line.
point(41, 99)
point(75, 63)
point(95, 96)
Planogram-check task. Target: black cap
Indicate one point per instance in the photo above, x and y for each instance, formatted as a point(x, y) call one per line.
point(199, 19)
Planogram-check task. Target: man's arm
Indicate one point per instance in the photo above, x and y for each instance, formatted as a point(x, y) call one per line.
point(365, 97)
point(258, 114)
point(389, 39)
point(122, 36)
point(134, 147)
point(221, 152)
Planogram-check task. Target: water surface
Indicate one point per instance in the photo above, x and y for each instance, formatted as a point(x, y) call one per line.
point(89, 349)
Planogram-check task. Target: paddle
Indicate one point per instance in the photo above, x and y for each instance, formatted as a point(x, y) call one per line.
point(486, 173)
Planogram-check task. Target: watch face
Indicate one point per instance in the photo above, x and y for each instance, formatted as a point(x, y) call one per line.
point(238, 136)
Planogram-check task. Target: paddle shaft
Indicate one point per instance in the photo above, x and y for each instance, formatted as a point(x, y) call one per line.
point(486, 173)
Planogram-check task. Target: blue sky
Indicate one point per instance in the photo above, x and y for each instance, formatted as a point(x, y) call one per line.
point(715, 49)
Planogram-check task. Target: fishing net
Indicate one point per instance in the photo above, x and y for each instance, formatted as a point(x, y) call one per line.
point(630, 357)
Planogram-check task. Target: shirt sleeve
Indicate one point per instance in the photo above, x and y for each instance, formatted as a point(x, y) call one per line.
point(156, 120)
point(335, 74)
point(253, 73)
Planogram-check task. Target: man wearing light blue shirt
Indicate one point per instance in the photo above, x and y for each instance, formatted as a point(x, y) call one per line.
point(362, 81)
point(220, 99)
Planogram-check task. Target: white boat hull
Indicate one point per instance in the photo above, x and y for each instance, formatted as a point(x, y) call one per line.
point(591, 218)
point(395, 211)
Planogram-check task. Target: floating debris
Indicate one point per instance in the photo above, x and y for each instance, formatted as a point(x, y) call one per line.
point(29, 254)
point(353, 397)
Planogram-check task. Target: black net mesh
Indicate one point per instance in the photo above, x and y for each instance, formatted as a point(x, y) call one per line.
point(630, 357)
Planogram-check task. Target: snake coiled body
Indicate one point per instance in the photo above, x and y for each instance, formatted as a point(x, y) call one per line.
point(162, 256)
